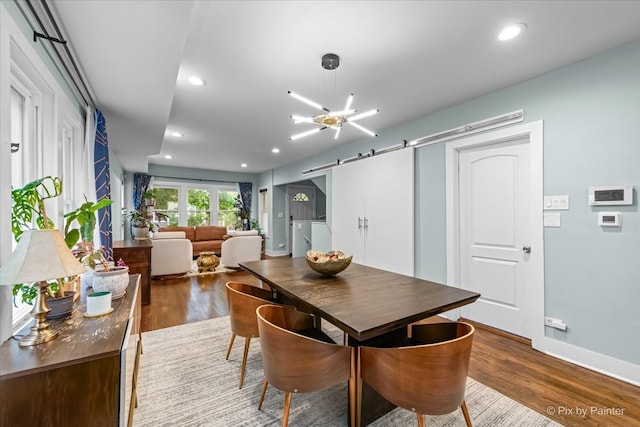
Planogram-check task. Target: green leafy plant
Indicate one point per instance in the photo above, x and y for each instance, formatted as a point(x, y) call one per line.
point(139, 218)
point(85, 216)
point(28, 207)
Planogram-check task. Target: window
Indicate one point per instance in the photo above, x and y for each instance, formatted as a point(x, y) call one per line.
point(198, 207)
point(227, 212)
point(263, 211)
point(300, 197)
point(166, 208)
point(194, 204)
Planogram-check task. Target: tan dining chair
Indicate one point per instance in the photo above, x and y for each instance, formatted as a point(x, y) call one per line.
point(428, 376)
point(243, 300)
point(295, 363)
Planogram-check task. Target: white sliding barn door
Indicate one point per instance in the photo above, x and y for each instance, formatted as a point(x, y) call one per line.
point(373, 211)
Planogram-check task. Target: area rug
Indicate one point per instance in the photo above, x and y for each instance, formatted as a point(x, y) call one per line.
point(184, 380)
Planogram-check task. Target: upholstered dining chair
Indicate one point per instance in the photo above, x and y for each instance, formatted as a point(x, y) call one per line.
point(427, 377)
point(243, 300)
point(294, 362)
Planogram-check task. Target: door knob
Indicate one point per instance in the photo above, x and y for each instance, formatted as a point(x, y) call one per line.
point(526, 249)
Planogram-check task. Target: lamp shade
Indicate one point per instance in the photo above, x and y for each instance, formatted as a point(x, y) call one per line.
point(40, 255)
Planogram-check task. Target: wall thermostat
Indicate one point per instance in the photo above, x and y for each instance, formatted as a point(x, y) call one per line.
point(611, 195)
point(609, 219)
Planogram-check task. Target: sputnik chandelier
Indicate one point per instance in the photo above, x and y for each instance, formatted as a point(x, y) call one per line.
point(330, 119)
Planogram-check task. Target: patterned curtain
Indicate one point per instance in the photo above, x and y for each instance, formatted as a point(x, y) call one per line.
point(245, 197)
point(103, 183)
point(140, 186)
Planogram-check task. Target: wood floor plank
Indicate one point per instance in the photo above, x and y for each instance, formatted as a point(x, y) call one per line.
point(566, 393)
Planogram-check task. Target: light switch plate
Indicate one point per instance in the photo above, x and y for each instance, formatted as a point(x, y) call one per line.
point(552, 219)
point(556, 202)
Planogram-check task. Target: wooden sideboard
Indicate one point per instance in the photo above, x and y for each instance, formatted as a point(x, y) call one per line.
point(85, 377)
point(137, 255)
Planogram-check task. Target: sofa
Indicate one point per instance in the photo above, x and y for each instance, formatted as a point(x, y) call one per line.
point(241, 247)
point(171, 253)
point(204, 238)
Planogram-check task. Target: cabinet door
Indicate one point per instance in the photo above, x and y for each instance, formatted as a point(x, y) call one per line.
point(389, 211)
point(347, 233)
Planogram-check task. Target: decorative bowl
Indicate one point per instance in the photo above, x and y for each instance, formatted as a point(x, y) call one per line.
point(329, 263)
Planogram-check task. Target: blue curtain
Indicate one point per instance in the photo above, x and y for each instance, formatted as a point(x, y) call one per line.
point(140, 185)
point(245, 198)
point(103, 183)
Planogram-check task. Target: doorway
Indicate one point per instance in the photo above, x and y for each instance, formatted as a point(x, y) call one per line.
point(494, 227)
point(301, 207)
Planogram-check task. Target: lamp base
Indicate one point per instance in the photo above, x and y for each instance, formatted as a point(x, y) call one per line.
point(40, 332)
point(38, 336)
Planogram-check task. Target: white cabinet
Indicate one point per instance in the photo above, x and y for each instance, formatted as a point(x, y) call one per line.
point(372, 211)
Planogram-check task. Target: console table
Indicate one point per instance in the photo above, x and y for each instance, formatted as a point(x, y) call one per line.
point(137, 255)
point(85, 377)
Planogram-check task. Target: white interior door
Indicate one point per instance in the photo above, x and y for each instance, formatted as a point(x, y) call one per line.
point(302, 206)
point(494, 220)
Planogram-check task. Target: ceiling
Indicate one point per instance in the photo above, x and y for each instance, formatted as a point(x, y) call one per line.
point(407, 58)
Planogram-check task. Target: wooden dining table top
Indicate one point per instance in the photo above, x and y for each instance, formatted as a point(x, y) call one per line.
point(363, 301)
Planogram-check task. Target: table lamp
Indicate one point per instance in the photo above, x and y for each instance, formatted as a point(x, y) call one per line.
point(40, 255)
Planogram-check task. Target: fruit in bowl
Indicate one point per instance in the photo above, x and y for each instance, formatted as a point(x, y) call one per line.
point(328, 263)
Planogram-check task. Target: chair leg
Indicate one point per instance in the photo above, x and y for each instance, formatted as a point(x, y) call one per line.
point(233, 336)
point(287, 407)
point(265, 383)
point(247, 341)
point(465, 412)
point(420, 420)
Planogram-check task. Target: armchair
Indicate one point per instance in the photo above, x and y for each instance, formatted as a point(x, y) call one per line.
point(243, 246)
point(172, 253)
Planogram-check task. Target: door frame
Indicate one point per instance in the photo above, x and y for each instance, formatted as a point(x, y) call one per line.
point(534, 132)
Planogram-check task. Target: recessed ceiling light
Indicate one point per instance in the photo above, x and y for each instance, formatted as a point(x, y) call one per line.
point(176, 134)
point(244, 165)
point(196, 81)
point(275, 150)
point(168, 156)
point(511, 31)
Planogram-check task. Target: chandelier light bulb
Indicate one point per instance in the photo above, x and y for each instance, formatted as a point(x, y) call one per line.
point(307, 133)
point(363, 115)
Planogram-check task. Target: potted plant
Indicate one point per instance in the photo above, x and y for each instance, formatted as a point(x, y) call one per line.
point(243, 213)
point(29, 206)
point(139, 222)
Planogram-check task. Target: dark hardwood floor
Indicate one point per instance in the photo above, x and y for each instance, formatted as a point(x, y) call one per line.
point(569, 394)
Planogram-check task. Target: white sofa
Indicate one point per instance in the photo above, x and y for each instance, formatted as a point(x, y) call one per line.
point(242, 246)
point(172, 253)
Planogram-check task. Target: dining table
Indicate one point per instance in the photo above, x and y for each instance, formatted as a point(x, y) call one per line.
point(373, 307)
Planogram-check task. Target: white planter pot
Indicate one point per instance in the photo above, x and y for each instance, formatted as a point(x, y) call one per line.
point(115, 281)
point(139, 232)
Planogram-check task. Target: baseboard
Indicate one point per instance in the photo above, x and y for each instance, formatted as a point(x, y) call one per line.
point(606, 365)
point(276, 253)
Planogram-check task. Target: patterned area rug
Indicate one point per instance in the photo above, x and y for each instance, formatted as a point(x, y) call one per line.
point(185, 381)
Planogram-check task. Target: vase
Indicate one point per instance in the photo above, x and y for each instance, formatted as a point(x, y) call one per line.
point(114, 280)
